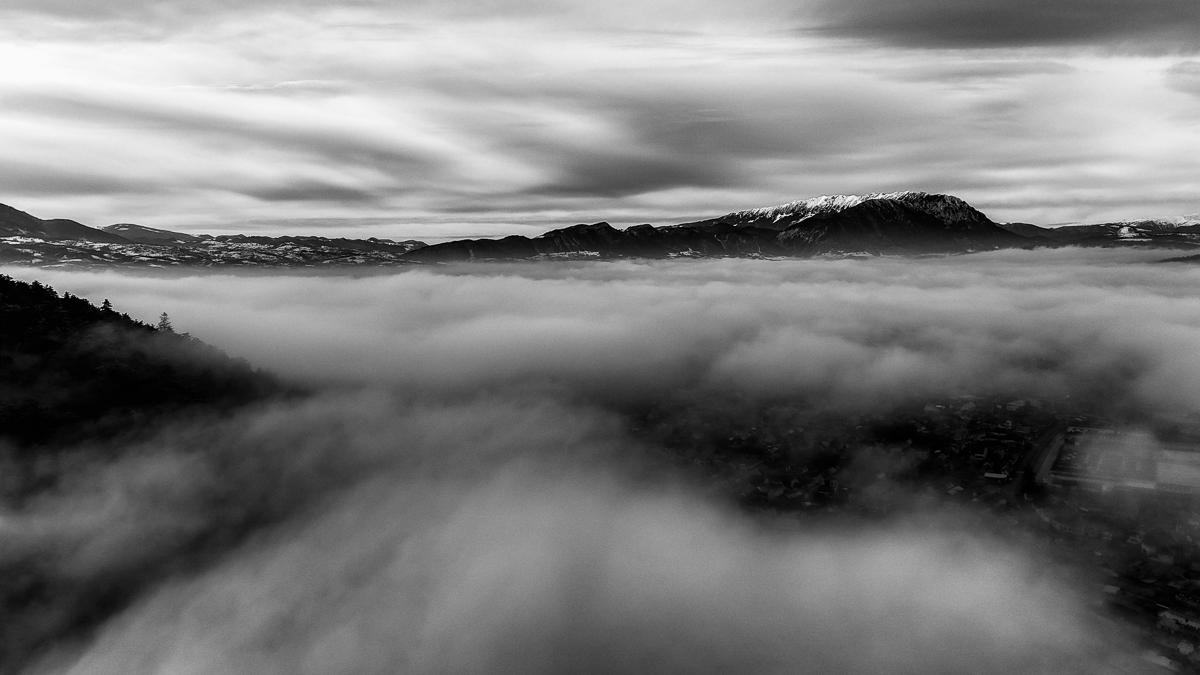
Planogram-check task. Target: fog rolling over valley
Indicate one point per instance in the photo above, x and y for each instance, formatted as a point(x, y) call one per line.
point(572, 467)
point(373, 337)
point(1107, 325)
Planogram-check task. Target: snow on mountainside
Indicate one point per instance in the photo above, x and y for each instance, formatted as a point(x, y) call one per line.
point(892, 223)
point(947, 208)
point(1163, 223)
point(1170, 223)
point(149, 235)
point(806, 207)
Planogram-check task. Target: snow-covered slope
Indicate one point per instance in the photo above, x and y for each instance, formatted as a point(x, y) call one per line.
point(149, 235)
point(947, 208)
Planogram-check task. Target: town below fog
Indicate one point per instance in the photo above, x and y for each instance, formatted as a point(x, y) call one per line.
point(1118, 499)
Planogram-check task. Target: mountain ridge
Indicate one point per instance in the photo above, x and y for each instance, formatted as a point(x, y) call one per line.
point(948, 208)
point(140, 234)
point(902, 223)
point(906, 223)
point(16, 223)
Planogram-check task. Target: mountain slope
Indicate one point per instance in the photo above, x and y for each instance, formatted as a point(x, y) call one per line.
point(946, 208)
point(895, 226)
point(14, 223)
point(1183, 233)
point(70, 370)
point(904, 223)
point(28, 240)
point(141, 234)
point(601, 240)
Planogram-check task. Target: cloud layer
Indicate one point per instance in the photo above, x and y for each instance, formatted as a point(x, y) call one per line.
point(460, 118)
point(1166, 25)
point(461, 494)
point(1108, 326)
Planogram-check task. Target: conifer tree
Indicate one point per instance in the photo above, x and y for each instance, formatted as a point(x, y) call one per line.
point(164, 323)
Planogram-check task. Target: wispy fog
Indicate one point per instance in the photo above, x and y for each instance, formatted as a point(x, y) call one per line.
point(498, 537)
point(460, 493)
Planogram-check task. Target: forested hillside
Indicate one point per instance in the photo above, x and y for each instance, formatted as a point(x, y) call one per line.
point(81, 387)
point(70, 370)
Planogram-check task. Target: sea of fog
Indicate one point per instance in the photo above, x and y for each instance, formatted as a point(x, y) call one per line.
point(456, 495)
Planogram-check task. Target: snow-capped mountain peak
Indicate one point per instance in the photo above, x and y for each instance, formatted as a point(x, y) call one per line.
point(946, 208)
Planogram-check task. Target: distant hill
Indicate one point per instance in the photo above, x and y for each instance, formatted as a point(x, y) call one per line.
point(1156, 233)
point(148, 235)
point(14, 223)
point(370, 244)
point(601, 240)
point(1027, 230)
point(70, 370)
point(27, 240)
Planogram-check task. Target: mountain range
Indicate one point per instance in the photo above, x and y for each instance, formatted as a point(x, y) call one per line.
point(897, 223)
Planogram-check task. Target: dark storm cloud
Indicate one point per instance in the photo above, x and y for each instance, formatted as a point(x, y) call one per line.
point(1153, 25)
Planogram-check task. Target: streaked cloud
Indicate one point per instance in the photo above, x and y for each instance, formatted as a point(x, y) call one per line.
point(1148, 26)
point(551, 113)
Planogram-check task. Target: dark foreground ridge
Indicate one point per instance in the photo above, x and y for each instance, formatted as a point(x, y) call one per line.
point(71, 371)
point(79, 386)
point(893, 224)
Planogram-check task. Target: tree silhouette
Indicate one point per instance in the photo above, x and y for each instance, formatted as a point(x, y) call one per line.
point(164, 323)
point(106, 306)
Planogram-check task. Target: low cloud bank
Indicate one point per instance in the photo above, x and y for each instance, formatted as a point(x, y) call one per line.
point(460, 496)
point(1102, 326)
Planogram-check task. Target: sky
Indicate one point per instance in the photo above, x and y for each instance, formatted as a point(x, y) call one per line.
point(465, 117)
